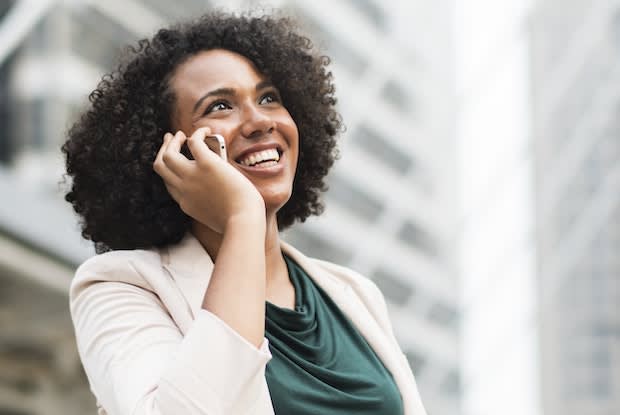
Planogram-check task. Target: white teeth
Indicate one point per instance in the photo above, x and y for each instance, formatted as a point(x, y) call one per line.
point(262, 156)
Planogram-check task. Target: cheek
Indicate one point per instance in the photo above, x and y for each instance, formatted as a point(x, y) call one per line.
point(294, 148)
point(222, 127)
point(288, 127)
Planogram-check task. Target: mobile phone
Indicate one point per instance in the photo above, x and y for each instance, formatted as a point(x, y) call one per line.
point(217, 144)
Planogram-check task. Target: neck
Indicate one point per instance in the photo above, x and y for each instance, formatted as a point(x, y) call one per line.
point(275, 266)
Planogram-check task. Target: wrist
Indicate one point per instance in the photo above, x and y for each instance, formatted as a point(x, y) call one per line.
point(250, 220)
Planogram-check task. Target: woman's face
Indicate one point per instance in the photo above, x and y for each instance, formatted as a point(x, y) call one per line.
point(223, 90)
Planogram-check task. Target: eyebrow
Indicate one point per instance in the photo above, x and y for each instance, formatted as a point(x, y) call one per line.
point(228, 92)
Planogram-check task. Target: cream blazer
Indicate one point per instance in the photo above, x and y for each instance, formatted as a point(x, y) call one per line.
point(148, 348)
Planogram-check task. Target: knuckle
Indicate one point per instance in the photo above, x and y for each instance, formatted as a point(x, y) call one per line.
point(166, 158)
point(203, 164)
point(158, 162)
point(202, 131)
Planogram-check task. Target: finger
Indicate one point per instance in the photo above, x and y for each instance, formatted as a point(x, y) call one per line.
point(197, 145)
point(177, 141)
point(160, 166)
point(173, 158)
point(168, 176)
point(158, 158)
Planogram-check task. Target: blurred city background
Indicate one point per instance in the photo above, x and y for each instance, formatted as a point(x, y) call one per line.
point(479, 187)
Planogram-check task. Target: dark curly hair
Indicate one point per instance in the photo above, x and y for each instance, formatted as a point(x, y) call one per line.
point(110, 150)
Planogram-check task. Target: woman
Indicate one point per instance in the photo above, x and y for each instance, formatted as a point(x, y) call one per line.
point(194, 305)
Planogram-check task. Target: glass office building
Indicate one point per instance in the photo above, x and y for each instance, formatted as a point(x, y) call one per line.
point(576, 84)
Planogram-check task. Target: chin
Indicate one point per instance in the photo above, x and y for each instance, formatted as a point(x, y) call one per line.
point(274, 202)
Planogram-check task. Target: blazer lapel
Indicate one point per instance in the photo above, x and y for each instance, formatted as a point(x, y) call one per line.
point(190, 266)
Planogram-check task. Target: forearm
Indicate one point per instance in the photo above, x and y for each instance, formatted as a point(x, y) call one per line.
point(236, 292)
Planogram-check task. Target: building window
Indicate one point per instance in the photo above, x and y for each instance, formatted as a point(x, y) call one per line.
point(382, 150)
point(342, 53)
point(397, 95)
point(346, 56)
point(371, 10)
point(351, 196)
point(393, 287)
point(97, 38)
point(415, 237)
point(443, 315)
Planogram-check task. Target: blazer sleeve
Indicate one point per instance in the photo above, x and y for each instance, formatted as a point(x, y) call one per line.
point(139, 363)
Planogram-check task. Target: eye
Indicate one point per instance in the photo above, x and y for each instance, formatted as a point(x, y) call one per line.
point(217, 106)
point(269, 98)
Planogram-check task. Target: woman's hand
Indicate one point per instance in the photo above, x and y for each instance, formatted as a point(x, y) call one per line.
point(207, 188)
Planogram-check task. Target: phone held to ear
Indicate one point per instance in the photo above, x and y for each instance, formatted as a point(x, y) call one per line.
point(215, 142)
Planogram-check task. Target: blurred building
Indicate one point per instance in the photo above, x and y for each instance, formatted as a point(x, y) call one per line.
point(391, 205)
point(497, 250)
point(576, 102)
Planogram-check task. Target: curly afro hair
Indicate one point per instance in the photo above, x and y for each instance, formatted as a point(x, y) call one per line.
point(122, 202)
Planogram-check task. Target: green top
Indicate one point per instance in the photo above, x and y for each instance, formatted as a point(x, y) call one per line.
point(321, 364)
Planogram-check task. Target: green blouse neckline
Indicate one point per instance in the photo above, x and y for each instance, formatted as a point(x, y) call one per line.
point(321, 364)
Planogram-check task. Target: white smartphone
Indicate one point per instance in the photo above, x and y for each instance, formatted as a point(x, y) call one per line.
point(216, 143)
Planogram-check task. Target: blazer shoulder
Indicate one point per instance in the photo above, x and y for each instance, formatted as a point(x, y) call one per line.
point(113, 262)
point(116, 266)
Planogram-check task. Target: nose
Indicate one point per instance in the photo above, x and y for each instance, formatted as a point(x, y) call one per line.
point(256, 123)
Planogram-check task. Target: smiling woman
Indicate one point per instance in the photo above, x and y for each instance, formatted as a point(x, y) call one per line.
point(194, 304)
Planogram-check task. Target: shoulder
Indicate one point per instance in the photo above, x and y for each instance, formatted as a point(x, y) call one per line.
point(113, 261)
point(124, 266)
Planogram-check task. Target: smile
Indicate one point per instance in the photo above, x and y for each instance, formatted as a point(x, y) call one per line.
point(266, 163)
point(264, 158)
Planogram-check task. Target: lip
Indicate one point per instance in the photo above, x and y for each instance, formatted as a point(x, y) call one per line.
point(259, 147)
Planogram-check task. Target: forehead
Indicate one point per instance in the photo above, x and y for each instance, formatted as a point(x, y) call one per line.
point(215, 69)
